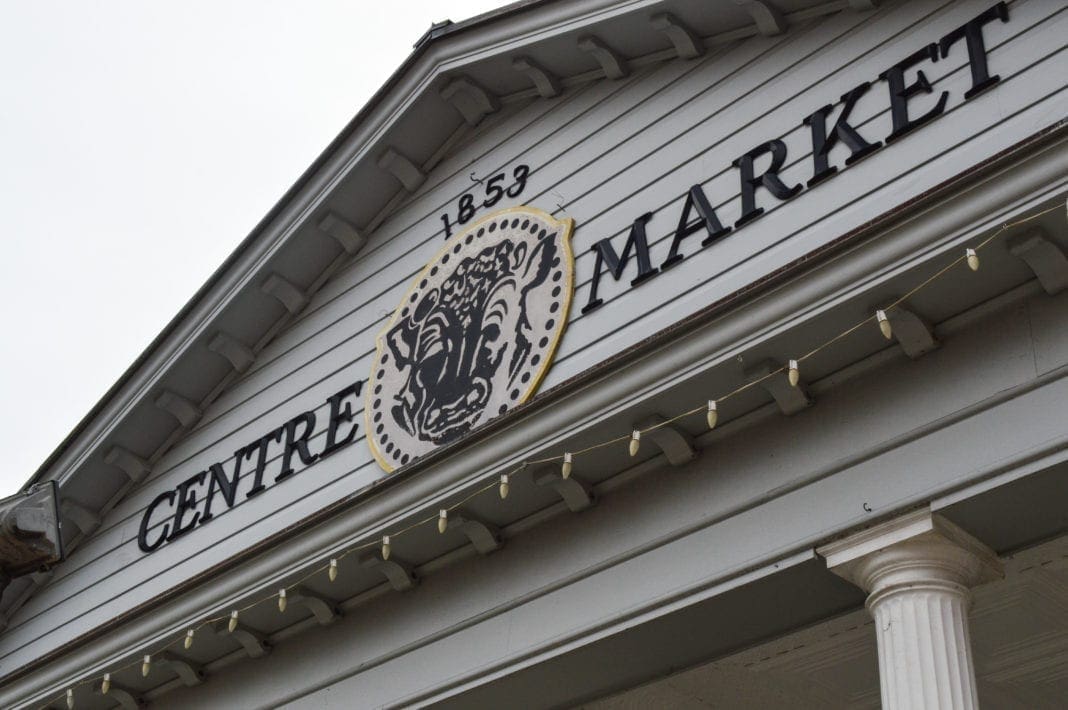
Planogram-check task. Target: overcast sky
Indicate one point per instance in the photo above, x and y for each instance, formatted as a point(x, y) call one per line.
point(139, 143)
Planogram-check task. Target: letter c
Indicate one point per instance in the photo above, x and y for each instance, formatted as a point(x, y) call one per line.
point(142, 534)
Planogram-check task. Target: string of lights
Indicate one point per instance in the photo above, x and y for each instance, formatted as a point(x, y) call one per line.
point(502, 484)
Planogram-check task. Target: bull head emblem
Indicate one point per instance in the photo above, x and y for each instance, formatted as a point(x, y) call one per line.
point(473, 335)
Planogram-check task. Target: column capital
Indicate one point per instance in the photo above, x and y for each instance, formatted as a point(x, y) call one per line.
point(919, 549)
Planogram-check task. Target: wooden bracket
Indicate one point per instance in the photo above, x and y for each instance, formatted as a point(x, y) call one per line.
point(685, 42)
point(343, 232)
point(768, 19)
point(676, 444)
point(790, 399)
point(255, 644)
point(126, 697)
point(401, 168)
point(1044, 257)
point(324, 610)
point(189, 672)
point(86, 520)
point(131, 464)
point(398, 573)
point(544, 81)
point(472, 101)
point(614, 66)
point(577, 494)
point(291, 297)
point(239, 354)
point(179, 407)
point(485, 537)
point(912, 332)
point(40, 579)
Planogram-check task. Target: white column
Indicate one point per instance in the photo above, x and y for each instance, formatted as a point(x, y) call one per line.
point(918, 570)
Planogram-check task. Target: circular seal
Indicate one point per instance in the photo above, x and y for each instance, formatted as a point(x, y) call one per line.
point(473, 336)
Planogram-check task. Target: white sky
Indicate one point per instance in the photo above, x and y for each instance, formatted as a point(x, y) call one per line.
point(139, 143)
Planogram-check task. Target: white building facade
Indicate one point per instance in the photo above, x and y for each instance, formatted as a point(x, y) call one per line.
point(619, 353)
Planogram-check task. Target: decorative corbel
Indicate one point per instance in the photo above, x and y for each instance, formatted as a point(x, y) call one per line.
point(676, 444)
point(239, 354)
point(324, 610)
point(472, 101)
point(189, 672)
point(912, 332)
point(577, 494)
point(544, 81)
point(790, 399)
point(291, 297)
point(125, 697)
point(86, 520)
point(400, 167)
point(614, 66)
point(182, 409)
point(398, 573)
point(131, 464)
point(343, 231)
point(685, 42)
point(768, 19)
point(255, 644)
point(1044, 257)
point(484, 536)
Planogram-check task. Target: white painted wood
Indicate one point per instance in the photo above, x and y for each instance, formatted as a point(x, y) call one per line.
point(766, 16)
point(402, 168)
point(1045, 258)
point(917, 570)
point(605, 151)
point(613, 65)
point(237, 353)
point(544, 81)
point(347, 235)
point(472, 101)
point(687, 46)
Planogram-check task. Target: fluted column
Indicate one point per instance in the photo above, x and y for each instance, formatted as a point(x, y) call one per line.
point(918, 571)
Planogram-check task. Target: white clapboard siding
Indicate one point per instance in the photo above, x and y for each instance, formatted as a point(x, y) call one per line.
point(607, 152)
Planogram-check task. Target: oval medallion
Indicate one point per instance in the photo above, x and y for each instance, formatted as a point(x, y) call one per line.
point(473, 336)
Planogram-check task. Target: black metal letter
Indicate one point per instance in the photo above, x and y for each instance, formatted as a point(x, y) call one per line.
point(219, 483)
point(972, 32)
point(187, 500)
point(900, 93)
point(146, 521)
point(769, 179)
point(297, 443)
point(706, 217)
point(337, 416)
point(606, 255)
point(822, 142)
point(261, 445)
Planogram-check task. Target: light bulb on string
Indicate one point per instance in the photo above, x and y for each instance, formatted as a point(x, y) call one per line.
point(973, 259)
point(713, 414)
point(282, 599)
point(385, 547)
point(884, 324)
point(232, 626)
point(443, 521)
point(793, 373)
point(503, 487)
point(146, 666)
point(635, 441)
point(105, 685)
point(332, 572)
point(188, 643)
point(565, 469)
